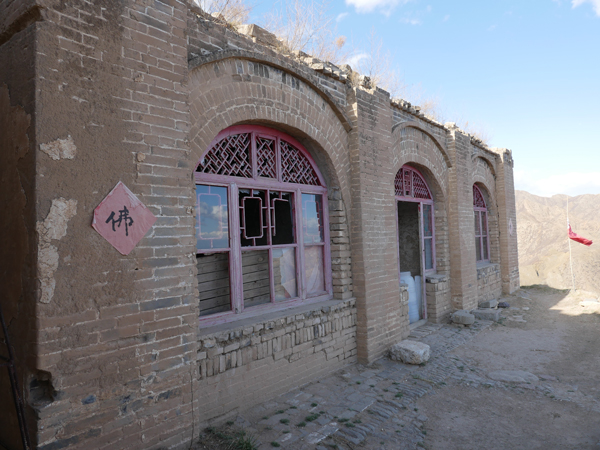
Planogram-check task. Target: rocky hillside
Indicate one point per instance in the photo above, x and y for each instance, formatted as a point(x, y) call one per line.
point(543, 243)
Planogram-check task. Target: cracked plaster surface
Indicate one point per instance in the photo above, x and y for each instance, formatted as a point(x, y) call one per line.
point(60, 149)
point(53, 228)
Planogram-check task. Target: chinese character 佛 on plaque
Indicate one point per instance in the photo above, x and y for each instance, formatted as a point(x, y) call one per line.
point(122, 219)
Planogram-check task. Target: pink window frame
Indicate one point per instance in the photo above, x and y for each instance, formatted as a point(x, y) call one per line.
point(421, 202)
point(235, 249)
point(482, 216)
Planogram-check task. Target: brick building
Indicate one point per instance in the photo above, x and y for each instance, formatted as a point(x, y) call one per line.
point(303, 219)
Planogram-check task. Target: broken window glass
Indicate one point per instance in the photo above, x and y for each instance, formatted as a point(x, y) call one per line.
point(284, 273)
point(313, 270)
point(283, 218)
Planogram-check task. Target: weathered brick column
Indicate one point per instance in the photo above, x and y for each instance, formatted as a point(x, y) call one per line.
point(509, 255)
point(373, 226)
point(463, 271)
point(116, 337)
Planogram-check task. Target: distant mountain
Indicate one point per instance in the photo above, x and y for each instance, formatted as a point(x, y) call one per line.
point(543, 242)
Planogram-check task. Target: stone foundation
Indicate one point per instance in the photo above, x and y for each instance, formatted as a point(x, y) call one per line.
point(245, 363)
point(437, 291)
point(489, 282)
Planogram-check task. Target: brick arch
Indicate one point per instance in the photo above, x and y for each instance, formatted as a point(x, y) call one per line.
point(480, 157)
point(221, 97)
point(397, 130)
point(299, 71)
point(428, 156)
point(223, 94)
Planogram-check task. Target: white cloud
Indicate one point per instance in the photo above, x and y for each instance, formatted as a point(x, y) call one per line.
point(367, 6)
point(354, 60)
point(492, 28)
point(595, 4)
point(341, 17)
point(571, 183)
point(410, 21)
point(446, 18)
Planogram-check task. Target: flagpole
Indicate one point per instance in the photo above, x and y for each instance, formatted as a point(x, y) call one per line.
point(569, 240)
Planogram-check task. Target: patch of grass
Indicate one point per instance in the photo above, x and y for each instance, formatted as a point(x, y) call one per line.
point(265, 417)
point(314, 404)
point(424, 431)
point(281, 411)
point(230, 422)
point(420, 444)
point(321, 412)
point(286, 431)
point(284, 421)
point(275, 444)
point(301, 424)
point(343, 420)
point(350, 425)
point(386, 390)
point(357, 421)
point(358, 382)
point(371, 385)
point(416, 409)
point(312, 417)
point(399, 395)
point(293, 407)
point(245, 443)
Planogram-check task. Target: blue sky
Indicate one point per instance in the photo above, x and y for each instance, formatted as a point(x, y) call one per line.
point(525, 72)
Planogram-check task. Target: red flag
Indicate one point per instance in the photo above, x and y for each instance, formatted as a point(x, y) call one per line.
point(578, 238)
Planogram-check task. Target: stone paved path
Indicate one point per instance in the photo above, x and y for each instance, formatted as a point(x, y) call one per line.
point(371, 406)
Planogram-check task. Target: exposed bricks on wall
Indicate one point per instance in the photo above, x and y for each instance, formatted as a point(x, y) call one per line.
point(111, 350)
point(246, 364)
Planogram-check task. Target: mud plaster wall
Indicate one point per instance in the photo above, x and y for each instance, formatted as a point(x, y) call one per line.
point(116, 332)
point(17, 172)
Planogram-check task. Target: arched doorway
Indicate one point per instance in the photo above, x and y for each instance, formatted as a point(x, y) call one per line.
point(416, 237)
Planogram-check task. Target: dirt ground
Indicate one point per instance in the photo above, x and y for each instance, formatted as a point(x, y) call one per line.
point(465, 397)
point(554, 335)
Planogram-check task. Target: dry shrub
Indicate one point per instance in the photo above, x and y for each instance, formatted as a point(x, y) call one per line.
point(234, 12)
point(305, 25)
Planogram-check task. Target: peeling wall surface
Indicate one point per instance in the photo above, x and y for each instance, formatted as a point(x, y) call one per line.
point(111, 349)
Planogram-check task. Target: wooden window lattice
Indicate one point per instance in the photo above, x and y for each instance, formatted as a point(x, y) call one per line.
point(409, 183)
point(266, 156)
point(231, 157)
point(295, 167)
point(478, 200)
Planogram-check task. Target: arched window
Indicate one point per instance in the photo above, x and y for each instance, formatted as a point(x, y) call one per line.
point(261, 224)
point(410, 186)
point(482, 241)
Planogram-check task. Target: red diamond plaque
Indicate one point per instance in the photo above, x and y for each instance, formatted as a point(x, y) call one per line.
point(122, 219)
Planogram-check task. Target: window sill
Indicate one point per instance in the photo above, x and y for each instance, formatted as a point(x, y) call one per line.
point(486, 264)
point(435, 278)
point(244, 320)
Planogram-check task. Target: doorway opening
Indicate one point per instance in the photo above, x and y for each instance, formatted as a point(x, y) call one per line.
point(416, 237)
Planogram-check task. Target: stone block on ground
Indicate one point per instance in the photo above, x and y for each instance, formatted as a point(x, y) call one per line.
point(463, 317)
point(410, 352)
point(488, 304)
point(487, 314)
point(513, 376)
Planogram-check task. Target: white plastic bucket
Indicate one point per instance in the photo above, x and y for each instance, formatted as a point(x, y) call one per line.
point(413, 305)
